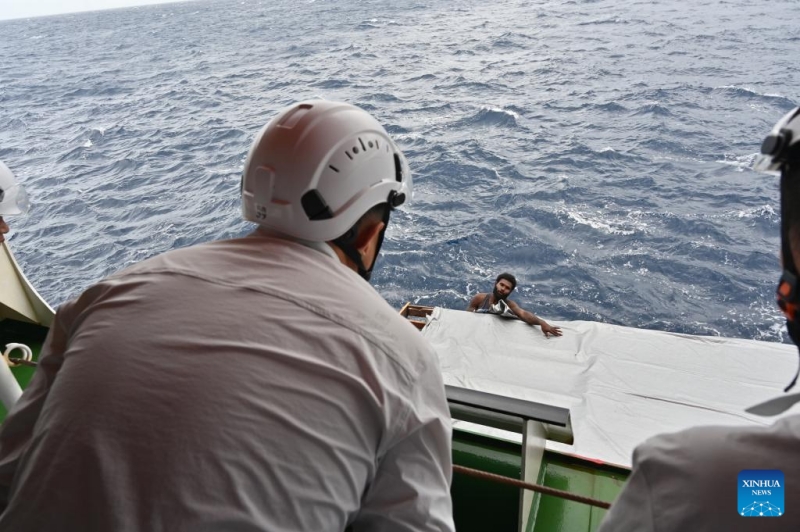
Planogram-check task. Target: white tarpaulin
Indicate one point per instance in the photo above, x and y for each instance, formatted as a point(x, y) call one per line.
point(621, 385)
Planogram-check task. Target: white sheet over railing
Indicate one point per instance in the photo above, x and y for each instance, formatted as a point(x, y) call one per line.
point(622, 385)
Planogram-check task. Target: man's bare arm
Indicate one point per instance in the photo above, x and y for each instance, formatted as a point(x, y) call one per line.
point(532, 319)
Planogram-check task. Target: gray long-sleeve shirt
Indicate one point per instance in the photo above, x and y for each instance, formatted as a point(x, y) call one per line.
point(248, 384)
point(689, 480)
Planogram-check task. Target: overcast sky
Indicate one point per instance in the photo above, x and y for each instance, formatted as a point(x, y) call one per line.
point(37, 8)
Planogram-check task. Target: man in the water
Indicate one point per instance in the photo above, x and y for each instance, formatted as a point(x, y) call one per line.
point(497, 302)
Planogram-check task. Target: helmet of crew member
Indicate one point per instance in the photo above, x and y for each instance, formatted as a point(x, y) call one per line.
point(317, 167)
point(782, 145)
point(13, 198)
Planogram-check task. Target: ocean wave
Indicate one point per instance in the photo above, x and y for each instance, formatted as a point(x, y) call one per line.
point(747, 92)
point(511, 40)
point(331, 84)
point(653, 108)
point(423, 77)
point(384, 97)
point(16, 123)
point(491, 117)
point(592, 161)
point(765, 211)
point(603, 21)
point(740, 162)
point(603, 223)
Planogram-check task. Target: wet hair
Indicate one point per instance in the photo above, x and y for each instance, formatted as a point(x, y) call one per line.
point(508, 277)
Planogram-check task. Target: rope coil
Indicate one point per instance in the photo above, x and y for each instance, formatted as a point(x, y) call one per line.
point(26, 359)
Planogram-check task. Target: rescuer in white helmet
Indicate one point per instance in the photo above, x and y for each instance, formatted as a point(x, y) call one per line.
point(731, 478)
point(13, 199)
point(256, 383)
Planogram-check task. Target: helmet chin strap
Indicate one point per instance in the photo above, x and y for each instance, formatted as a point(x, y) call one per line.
point(347, 243)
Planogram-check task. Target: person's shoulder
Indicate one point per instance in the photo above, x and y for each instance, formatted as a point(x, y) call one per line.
point(686, 445)
point(691, 476)
point(701, 435)
point(709, 450)
point(213, 258)
point(370, 315)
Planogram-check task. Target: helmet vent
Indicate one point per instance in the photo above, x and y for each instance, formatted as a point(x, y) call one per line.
point(333, 168)
point(364, 147)
point(398, 169)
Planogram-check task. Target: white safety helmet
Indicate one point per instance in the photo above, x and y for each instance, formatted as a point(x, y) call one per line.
point(316, 168)
point(13, 198)
point(781, 143)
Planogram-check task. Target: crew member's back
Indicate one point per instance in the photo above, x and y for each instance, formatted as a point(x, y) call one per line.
point(249, 384)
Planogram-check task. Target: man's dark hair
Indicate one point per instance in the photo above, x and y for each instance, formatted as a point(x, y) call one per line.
point(508, 277)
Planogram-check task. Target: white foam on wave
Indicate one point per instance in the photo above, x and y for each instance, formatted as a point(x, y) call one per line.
point(508, 112)
point(747, 89)
point(408, 137)
point(601, 222)
point(598, 224)
point(763, 311)
point(380, 21)
point(740, 162)
point(88, 143)
point(752, 91)
point(705, 242)
point(765, 211)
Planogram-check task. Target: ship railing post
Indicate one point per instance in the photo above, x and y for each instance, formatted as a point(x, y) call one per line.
point(534, 438)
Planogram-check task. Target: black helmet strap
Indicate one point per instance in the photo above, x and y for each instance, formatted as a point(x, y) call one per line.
point(347, 243)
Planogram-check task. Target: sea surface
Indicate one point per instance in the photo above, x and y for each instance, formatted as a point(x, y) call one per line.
point(599, 150)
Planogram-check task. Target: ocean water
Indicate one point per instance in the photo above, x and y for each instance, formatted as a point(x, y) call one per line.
point(599, 150)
